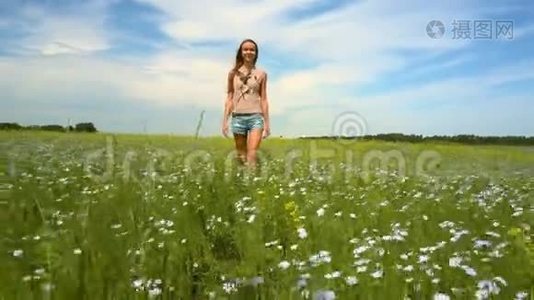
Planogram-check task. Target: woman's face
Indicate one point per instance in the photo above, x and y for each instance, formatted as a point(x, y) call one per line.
point(248, 51)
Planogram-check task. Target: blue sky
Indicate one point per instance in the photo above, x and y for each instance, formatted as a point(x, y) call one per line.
point(154, 65)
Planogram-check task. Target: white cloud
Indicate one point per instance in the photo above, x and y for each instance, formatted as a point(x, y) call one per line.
point(225, 19)
point(450, 106)
point(180, 77)
point(77, 30)
point(164, 80)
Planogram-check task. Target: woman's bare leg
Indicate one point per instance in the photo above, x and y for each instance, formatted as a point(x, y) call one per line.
point(254, 141)
point(241, 147)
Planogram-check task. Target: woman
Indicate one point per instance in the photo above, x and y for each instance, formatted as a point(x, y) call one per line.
point(247, 102)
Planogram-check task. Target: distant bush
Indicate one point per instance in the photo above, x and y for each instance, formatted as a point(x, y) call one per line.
point(80, 127)
point(10, 126)
point(85, 127)
point(53, 127)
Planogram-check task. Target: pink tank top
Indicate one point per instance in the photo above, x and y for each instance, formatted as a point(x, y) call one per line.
point(247, 90)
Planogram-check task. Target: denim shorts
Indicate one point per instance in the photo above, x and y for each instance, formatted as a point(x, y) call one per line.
point(241, 124)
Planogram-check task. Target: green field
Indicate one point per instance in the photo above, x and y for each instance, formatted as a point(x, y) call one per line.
point(102, 216)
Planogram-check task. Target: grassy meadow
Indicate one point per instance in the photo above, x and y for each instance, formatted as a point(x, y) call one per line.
point(104, 216)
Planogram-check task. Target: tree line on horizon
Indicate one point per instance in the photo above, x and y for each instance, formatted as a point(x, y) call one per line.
point(470, 139)
point(80, 127)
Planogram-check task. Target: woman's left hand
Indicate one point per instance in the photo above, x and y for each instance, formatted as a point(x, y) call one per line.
point(266, 130)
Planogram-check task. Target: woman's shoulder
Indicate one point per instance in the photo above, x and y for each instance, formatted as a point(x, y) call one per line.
point(260, 72)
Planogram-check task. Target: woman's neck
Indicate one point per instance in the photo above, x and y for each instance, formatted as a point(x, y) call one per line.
point(248, 66)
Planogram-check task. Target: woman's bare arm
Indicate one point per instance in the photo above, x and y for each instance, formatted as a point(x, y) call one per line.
point(228, 103)
point(264, 101)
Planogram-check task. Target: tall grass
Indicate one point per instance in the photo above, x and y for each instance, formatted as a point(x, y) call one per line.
point(97, 216)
